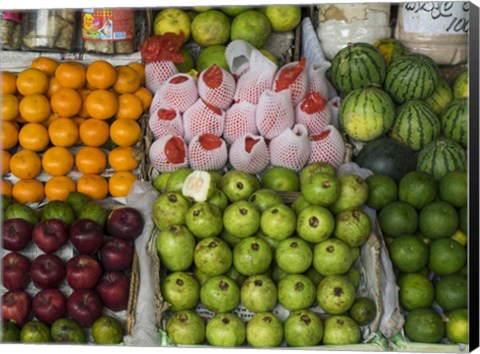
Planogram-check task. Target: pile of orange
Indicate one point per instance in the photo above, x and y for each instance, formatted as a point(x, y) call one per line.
point(62, 115)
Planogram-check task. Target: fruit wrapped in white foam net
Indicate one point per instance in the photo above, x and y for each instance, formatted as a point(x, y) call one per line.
point(317, 80)
point(313, 112)
point(328, 146)
point(168, 153)
point(207, 152)
point(203, 118)
point(216, 86)
point(166, 121)
point(239, 120)
point(334, 106)
point(275, 113)
point(178, 92)
point(238, 54)
point(293, 76)
point(291, 149)
point(249, 153)
point(157, 72)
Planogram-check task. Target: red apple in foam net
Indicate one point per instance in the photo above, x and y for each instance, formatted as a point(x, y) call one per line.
point(114, 289)
point(84, 306)
point(116, 255)
point(47, 271)
point(16, 306)
point(328, 146)
point(126, 223)
point(16, 234)
point(83, 272)
point(50, 235)
point(86, 236)
point(49, 305)
point(15, 271)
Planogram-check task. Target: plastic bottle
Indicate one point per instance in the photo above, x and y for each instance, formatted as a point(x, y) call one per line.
point(438, 29)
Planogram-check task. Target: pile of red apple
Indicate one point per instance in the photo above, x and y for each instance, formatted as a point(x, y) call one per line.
point(96, 277)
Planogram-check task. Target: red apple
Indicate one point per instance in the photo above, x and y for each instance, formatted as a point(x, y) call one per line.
point(16, 271)
point(83, 272)
point(16, 306)
point(50, 235)
point(114, 288)
point(86, 236)
point(116, 255)
point(125, 222)
point(47, 271)
point(49, 305)
point(84, 306)
point(16, 234)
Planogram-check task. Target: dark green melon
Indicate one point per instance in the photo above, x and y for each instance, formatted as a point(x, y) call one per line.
point(440, 157)
point(357, 65)
point(455, 122)
point(411, 76)
point(366, 113)
point(415, 125)
point(441, 97)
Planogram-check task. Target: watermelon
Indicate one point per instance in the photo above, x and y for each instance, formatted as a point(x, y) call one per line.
point(366, 113)
point(412, 76)
point(357, 65)
point(415, 125)
point(440, 157)
point(390, 48)
point(460, 86)
point(441, 97)
point(454, 121)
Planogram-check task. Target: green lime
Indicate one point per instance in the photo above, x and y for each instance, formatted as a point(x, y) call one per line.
point(453, 188)
point(417, 188)
point(77, 201)
point(457, 326)
point(383, 190)
point(408, 253)
point(398, 218)
point(66, 330)
point(160, 182)
point(177, 178)
point(416, 291)
point(281, 179)
point(446, 256)
point(210, 28)
point(438, 220)
point(424, 325)
point(252, 26)
point(451, 292)
point(188, 61)
point(283, 18)
point(234, 10)
point(9, 332)
point(214, 54)
point(35, 332)
point(107, 330)
point(363, 310)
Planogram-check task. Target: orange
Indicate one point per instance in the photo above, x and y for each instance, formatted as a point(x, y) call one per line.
point(66, 102)
point(9, 137)
point(125, 132)
point(78, 120)
point(33, 136)
point(31, 81)
point(58, 187)
point(84, 112)
point(102, 104)
point(94, 132)
point(145, 97)
point(50, 119)
point(6, 161)
point(93, 186)
point(35, 108)
point(101, 74)
point(140, 69)
point(57, 161)
point(123, 158)
point(63, 132)
point(28, 191)
point(6, 188)
point(129, 107)
point(47, 65)
point(120, 183)
point(90, 160)
point(71, 74)
point(53, 86)
point(9, 82)
point(128, 80)
point(9, 108)
point(25, 164)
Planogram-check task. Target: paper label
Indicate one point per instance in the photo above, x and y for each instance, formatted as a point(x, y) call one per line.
point(108, 24)
point(439, 17)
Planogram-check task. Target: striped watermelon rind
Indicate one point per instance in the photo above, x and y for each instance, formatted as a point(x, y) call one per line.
point(441, 96)
point(411, 76)
point(390, 48)
point(440, 157)
point(415, 125)
point(460, 86)
point(367, 113)
point(357, 65)
point(454, 120)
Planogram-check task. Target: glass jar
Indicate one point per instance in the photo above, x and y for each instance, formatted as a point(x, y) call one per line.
point(10, 29)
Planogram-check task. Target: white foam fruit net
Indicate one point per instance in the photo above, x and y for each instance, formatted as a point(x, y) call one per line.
point(250, 154)
point(238, 54)
point(157, 72)
point(207, 152)
point(239, 120)
point(168, 153)
point(314, 113)
point(179, 92)
point(258, 78)
point(317, 80)
point(334, 106)
point(293, 76)
point(275, 113)
point(291, 149)
point(328, 146)
point(203, 118)
point(165, 121)
point(216, 86)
